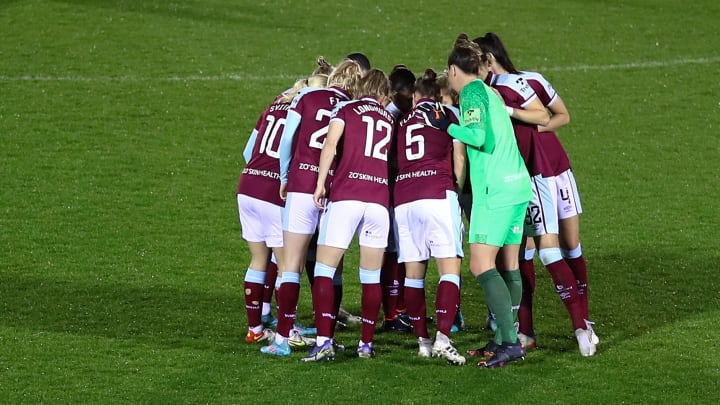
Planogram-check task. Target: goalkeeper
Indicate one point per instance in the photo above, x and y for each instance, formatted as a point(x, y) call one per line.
point(501, 191)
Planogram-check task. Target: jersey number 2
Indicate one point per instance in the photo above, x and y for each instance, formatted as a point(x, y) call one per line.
point(317, 139)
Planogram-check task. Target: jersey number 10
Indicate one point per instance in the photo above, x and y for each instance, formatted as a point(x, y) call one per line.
point(268, 138)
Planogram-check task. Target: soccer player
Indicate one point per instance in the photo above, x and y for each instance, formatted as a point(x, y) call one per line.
point(358, 140)
point(300, 146)
point(317, 79)
point(427, 215)
point(450, 100)
point(526, 112)
point(546, 161)
point(392, 275)
point(502, 189)
point(260, 207)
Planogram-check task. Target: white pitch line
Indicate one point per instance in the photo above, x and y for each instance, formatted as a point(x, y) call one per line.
point(633, 65)
point(252, 77)
point(190, 78)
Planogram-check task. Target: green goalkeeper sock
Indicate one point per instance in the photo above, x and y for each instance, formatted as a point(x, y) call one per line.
point(514, 286)
point(497, 298)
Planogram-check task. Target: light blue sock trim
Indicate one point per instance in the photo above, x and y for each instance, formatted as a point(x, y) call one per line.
point(254, 276)
point(452, 278)
point(323, 270)
point(291, 277)
point(529, 254)
point(550, 255)
point(414, 282)
point(368, 276)
point(572, 253)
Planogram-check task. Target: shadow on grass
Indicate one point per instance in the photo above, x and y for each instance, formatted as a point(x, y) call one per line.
point(624, 303)
point(631, 293)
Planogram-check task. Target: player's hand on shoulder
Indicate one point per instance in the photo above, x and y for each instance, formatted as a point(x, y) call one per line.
point(435, 116)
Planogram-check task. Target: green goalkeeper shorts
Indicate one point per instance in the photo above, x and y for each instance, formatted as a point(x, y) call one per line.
point(498, 226)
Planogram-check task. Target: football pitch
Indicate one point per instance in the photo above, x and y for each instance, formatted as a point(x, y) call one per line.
point(121, 261)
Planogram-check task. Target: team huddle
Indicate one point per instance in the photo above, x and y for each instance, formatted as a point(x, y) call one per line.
point(395, 161)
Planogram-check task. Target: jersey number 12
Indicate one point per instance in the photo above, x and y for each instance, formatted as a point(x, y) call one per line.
point(376, 150)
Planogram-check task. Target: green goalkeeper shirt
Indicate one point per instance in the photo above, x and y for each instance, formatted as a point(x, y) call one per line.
point(497, 171)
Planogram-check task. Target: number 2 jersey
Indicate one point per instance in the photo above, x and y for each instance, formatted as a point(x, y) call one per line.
point(361, 171)
point(261, 176)
point(313, 109)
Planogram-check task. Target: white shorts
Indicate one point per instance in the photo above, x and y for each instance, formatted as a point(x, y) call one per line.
point(541, 217)
point(429, 228)
point(568, 199)
point(342, 219)
point(300, 214)
point(260, 221)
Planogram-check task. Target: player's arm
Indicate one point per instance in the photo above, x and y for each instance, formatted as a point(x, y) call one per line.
point(292, 122)
point(472, 133)
point(335, 132)
point(247, 152)
point(459, 164)
point(533, 112)
point(559, 118)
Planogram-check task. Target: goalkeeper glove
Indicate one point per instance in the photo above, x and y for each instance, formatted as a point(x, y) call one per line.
point(435, 116)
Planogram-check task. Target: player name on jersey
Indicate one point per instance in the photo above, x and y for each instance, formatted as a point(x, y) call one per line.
point(364, 108)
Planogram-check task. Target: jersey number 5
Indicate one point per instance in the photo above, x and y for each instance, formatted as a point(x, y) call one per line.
point(411, 140)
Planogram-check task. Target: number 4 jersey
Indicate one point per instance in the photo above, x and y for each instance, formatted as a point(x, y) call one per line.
point(361, 172)
point(261, 176)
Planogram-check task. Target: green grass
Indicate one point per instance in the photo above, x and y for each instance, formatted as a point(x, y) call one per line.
point(121, 263)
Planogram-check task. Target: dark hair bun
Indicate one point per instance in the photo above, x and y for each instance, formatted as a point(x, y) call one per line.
point(429, 75)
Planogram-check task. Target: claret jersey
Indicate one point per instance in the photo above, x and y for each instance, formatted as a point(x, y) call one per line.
point(424, 156)
point(261, 178)
point(314, 109)
point(517, 93)
point(361, 171)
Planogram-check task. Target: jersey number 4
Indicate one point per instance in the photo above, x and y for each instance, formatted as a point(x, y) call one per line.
point(377, 150)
